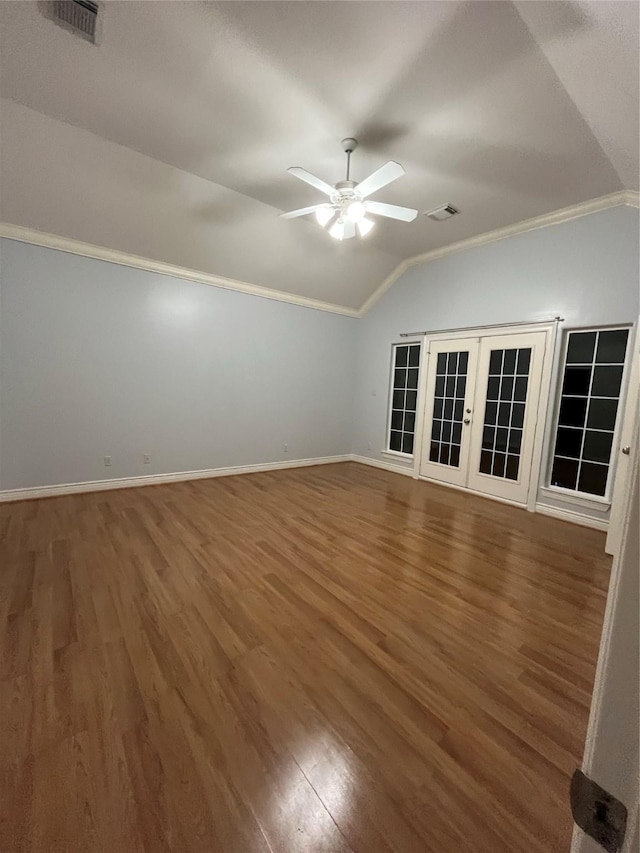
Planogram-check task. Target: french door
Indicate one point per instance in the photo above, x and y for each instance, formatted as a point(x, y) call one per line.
point(451, 380)
point(481, 411)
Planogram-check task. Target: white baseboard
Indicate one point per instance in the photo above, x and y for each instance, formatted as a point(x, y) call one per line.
point(208, 473)
point(380, 463)
point(157, 479)
point(574, 517)
point(543, 509)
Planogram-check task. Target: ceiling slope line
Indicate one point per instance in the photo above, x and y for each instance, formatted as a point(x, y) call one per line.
point(23, 234)
point(628, 198)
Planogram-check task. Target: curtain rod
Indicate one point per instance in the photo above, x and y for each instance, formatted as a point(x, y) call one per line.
point(557, 319)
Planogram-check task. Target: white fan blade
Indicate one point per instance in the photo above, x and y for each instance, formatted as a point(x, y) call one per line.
point(303, 211)
point(349, 229)
point(406, 214)
point(308, 178)
point(380, 178)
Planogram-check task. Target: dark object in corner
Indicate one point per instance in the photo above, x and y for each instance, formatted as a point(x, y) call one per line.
point(597, 813)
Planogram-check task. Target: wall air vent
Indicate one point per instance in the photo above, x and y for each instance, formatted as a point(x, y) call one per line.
point(443, 212)
point(81, 16)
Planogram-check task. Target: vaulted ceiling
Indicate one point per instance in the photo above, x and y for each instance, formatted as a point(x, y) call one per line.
point(507, 110)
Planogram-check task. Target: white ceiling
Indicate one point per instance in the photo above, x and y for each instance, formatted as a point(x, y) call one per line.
point(507, 110)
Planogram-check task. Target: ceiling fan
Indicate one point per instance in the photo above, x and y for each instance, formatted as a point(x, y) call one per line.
point(348, 203)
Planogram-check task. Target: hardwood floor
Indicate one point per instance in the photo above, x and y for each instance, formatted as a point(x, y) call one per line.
point(324, 659)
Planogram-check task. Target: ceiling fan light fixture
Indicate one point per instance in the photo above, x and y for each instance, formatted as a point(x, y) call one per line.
point(344, 215)
point(364, 225)
point(337, 230)
point(355, 211)
point(323, 215)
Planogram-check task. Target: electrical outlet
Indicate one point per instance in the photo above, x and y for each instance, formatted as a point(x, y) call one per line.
point(146, 459)
point(286, 448)
point(369, 446)
point(107, 461)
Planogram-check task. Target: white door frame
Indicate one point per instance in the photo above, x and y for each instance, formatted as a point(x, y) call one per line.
point(627, 437)
point(613, 718)
point(551, 329)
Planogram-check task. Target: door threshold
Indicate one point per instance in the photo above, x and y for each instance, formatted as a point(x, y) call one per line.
point(469, 491)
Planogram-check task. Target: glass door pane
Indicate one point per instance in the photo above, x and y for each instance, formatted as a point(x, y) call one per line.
point(449, 400)
point(506, 396)
point(448, 411)
point(509, 378)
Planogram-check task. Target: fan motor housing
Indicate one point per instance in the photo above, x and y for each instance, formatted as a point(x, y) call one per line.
point(345, 185)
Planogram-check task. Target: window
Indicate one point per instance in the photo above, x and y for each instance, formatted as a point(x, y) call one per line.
point(591, 385)
point(405, 365)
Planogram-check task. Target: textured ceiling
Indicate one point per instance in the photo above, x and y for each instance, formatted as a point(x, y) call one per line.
point(598, 66)
point(507, 110)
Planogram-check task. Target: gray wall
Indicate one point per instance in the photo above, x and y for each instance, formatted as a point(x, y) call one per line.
point(99, 359)
point(585, 270)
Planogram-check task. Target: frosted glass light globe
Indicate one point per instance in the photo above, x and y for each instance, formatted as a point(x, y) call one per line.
point(323, 215)
point(337, 230)
point(355, 211)
point(364, 226)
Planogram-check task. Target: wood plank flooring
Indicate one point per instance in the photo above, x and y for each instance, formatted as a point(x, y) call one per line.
point(318, 660)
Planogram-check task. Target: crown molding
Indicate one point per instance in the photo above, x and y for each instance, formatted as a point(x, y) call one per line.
point(624, 197)
point(391, 279)
point(113, 256)
point(22, 234)
point(632, 198)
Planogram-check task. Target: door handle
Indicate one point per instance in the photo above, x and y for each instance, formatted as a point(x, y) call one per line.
point(467, 420)
point(626, 450)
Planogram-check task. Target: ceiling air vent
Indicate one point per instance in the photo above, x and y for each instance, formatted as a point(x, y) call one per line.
point(444, 212)
point(81, 16)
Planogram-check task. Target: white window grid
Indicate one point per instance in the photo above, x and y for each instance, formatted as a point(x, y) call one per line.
point(411, 410)
point(560, 396)
point(509, 426)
